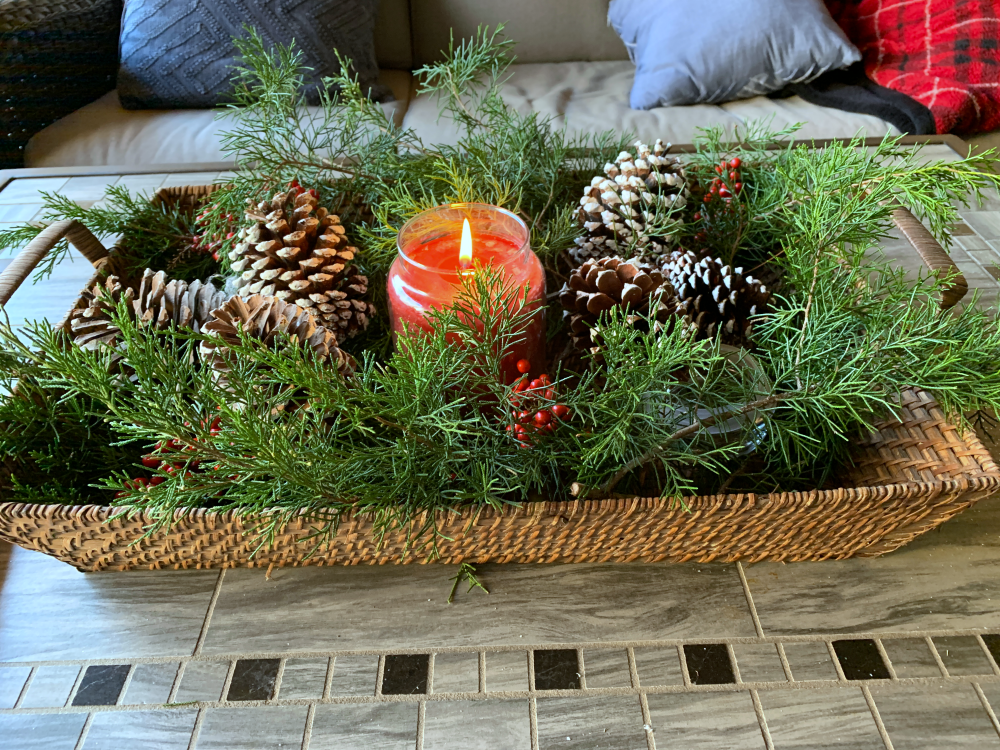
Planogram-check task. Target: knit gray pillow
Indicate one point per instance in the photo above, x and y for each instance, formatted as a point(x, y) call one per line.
point(179, 54)
point(719, 50)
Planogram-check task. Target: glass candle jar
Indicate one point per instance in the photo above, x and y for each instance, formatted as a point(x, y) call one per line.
point(428, 271)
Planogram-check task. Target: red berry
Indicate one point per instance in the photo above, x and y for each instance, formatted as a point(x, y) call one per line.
point(150, 462)
point(724, 192)
point(523, 366)
point(536, 383)
point(718, 169)
point(543, 417)
point(158, 479)
point(697, 216)
point(520, 429)
point(169, 468)
point(215, 256)
point(523, 416)
point(737, 187)
point(544, 379)
point(550, 427)
point(560, 411)
point(708, 197)
point(522, 386)
point(139, 483)
point(120, 494)
point(735, 163)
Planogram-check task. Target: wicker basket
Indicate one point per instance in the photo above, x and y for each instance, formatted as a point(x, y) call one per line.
point(908, 477)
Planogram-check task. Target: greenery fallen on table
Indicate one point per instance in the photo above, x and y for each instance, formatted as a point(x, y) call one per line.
point(428, 425)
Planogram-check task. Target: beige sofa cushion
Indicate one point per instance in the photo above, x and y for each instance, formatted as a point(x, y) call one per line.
point(545, 30)
point(104, 134)
point(592, 97)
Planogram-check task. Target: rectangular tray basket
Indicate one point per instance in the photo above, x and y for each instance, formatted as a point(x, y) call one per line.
point(908, 477)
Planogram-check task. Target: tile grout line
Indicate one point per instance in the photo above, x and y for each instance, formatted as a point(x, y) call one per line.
point(987, 707)
point(758, 709)
point(647, 722)
point(603, 645)
point(581, 669)
point(430, 675)
point(937, 657)
point(176, 684)
point(196, 729)
point(731, 652)
point(883, 733)
point(379, 675)
point(836, 662)
point(482, 672)
point(885, 658)
point(208, 614)
point(685, 676)
point(307, 732)
point(989, 654)
point(76, 685)
point(532, 702)
point(125, 685)
point(276, 688)
point(228, 682)
point(785, 665)
point(328, 680)
point(749, 597)
point(421, 717)
point(84, 731)
point(25, 686)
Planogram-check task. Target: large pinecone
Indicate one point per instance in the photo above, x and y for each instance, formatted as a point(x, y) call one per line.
point(599, 285)
point(158, 302)
point(719, 300)
point(264, 318)
point(298, 253)
point(616, 210)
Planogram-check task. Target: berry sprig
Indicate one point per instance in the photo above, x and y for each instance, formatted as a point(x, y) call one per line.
point(721, 191)
point(162, 460)
point(535, 415)
point(211, 243)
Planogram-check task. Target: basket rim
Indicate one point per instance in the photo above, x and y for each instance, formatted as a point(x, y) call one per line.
point(542, 509)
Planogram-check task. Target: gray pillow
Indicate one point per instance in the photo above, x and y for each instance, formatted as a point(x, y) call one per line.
point(719, 50)
point(179, 53)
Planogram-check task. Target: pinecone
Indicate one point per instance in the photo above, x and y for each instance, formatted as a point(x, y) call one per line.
point(158, 302)
point(599, 285)
point(719, 300)
point(298, 253)
point(615, 210)
point(264, 318)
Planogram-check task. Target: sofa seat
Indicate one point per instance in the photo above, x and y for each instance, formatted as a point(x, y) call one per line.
point(585, 97)
point(590, 97)
point(105, 134)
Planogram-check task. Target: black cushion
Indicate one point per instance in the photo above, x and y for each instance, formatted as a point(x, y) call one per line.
point(179, 54)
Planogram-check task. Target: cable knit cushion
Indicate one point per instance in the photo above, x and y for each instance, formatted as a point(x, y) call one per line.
point(179, 53)
point(715, 51)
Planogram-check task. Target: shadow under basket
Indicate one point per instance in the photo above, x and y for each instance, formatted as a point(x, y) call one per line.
point(908, 477)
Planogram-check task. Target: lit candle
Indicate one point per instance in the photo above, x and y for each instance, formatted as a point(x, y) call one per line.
point(441, 246)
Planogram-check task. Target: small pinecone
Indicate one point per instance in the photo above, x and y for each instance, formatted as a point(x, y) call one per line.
point(719, 300)
point(158, 302)
point(599, 285)
point(615, 209)
point(264, 318)
point(298, 253)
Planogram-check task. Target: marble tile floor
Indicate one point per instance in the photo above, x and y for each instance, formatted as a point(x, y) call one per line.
point(897, 652)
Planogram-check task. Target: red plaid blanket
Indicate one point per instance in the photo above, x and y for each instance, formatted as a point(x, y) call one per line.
point(943, 53)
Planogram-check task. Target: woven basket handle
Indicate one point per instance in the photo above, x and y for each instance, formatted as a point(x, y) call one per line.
point(22, 266)
point(935, 257)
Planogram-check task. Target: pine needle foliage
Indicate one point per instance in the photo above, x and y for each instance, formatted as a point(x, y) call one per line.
point(423, 429)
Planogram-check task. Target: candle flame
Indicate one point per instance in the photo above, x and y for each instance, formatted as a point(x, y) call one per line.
point(465, 251)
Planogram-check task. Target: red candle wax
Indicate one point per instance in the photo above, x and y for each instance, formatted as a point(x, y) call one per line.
point(427, 274)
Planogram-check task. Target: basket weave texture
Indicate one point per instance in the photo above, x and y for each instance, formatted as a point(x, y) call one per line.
point(909, 477)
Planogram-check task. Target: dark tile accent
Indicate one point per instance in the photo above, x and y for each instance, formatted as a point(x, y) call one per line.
point(253, 680)
point(709, 664)
point(557, 669)
point(993, 644)
point(405, 674)
point(101, 685)
point(860, 659)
